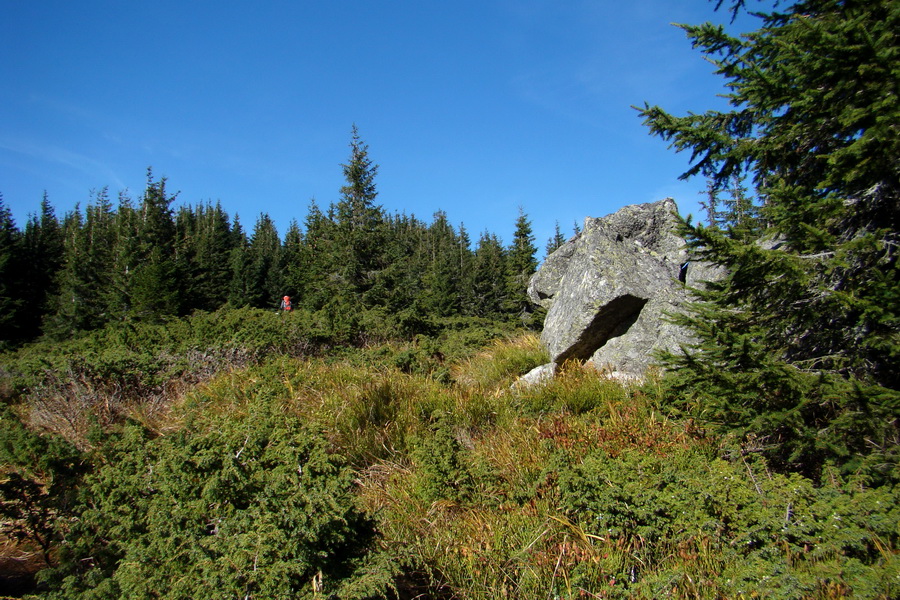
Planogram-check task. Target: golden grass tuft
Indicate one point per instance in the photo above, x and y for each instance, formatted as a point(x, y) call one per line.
point(499, 365)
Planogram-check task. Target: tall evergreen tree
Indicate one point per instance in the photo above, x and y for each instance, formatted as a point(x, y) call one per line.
point(155, 280)
point(557, 240)
point(71, 310)
point(264, 255)
point(730, 206)
point(318, 260)
point(520, 266)
point(186, 253)
point(41, 250)
point(98, 268)
point(204, 249)
point(466, 257)
point(799, 344)
point(399, 282)
point(85, 279)
point(442, 277)
point(11, 299)
point(359, 233)
point(489, 277)
point(291, 264)
point(241, 289)
point(126, 254)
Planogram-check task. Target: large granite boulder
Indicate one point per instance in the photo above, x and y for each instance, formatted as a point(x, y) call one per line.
point(608, 289)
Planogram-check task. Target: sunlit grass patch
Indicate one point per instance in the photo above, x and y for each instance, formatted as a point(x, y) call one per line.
point(501, 363)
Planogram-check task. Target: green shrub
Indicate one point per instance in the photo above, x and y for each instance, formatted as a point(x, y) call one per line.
point(443, 471)
point(806, 420)
point(245, 505)
point(39, 476)
point(768, 535)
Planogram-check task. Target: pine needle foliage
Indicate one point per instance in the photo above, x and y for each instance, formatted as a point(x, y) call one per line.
point(237, 506)
point(799, 343)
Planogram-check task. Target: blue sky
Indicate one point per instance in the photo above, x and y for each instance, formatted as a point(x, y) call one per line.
point(474, 108)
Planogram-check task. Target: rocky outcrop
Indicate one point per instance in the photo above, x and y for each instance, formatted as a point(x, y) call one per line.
point(608, 289)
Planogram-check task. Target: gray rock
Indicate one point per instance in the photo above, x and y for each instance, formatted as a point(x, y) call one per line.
point(607, 290)
point(536, 376)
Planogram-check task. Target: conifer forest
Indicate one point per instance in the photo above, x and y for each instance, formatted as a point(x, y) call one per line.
point(149, 260)
point(169, 430)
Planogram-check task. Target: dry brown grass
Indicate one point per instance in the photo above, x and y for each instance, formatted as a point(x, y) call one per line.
point(20, 561)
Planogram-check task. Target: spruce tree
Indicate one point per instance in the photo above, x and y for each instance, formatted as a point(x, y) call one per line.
point(290, 262)
point(86, 276)
point(399, 284)
point(466, 259)
point(489, 282)
point(798, 345)
point(11, 299)
point(202, 250)
point(69, 312)
point(216, 240)
point(314, 277)
point(126, 254)
point(557, 240)
point(241, 287)
point(441, 279)
point(520, 266)
point(186, 254)
point(100, 229)
point(264, 256)
point(42, 250)
point(155, 280)
point(359, 232)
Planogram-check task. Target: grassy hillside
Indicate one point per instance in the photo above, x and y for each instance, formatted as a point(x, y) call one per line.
point(246, 454)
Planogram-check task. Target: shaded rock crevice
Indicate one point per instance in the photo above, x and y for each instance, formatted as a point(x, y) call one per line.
point(612, 320)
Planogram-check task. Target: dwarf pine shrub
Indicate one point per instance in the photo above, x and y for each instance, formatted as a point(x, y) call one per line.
point(240, 506)
point(763, 534)
point(39, 476)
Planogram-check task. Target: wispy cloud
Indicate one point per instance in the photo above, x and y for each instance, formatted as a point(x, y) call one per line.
point(55, 156)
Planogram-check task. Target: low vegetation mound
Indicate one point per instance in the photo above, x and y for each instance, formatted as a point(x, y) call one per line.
point(301, 469)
